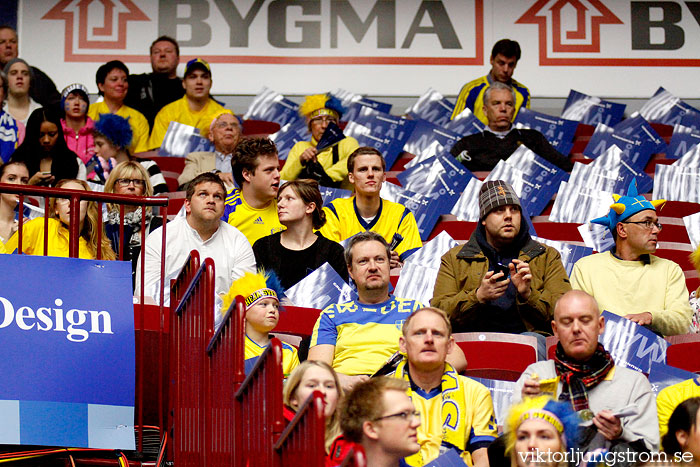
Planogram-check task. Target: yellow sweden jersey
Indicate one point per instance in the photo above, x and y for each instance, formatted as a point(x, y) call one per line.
point(364, 336)
point(472, 97)
point(137, 122)
point(290, 359)
point(33, 240)
point(477, 413)
point(343, 221)
point(253, 223)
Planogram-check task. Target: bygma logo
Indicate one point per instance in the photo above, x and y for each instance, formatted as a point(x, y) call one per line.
point(286, 31)
point(55, 319)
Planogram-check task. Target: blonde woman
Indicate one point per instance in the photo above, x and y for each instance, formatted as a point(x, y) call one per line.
point(540, 431)
point(129, 178)
point(58, 224)
point(306, 378)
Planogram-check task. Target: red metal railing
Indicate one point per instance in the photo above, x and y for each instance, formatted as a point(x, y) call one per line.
point(304, 437)
point(258, 420)
point(192, 297)
point(147, 344)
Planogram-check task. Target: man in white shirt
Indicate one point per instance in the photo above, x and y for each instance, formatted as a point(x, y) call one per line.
point(202, 230)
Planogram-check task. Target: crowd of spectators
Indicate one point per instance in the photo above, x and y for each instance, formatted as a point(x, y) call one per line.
point(387, 366)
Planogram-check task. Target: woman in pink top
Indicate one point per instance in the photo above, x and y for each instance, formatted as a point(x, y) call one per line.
point(77, 126)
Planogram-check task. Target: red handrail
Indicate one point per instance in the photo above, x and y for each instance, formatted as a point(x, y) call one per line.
point(304, 437)
point(258, 410)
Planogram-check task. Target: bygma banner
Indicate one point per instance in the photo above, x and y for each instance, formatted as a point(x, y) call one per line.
point(67, 333)
point(619, 48)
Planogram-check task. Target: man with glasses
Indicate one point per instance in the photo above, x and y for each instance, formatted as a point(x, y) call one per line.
point(380, 416)
point(629, 280)
point(224, 133)
point(457, 411)
point(328, 166)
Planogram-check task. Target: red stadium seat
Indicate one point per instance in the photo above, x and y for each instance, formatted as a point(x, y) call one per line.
point(171, 179)
point(497, 354)
point(684, 352)
point(551, 346)
point(259, 128)
point(171, 164)
point(296, 320)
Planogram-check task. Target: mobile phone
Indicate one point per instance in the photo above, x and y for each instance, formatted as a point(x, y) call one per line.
point(499, 267)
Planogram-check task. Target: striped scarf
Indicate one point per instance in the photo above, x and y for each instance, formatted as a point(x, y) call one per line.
point(578, 377)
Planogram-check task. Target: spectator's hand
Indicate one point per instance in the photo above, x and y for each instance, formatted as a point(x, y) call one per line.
point(40, 178)
point(521, 276)
point(531, 388)
point(640, 318)
point(608, 424)
point(394, 261)
point(227, 178)
point(491, 288)
point(308, 156)
point(348, 381)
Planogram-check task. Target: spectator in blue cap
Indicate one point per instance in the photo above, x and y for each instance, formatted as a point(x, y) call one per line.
point(629, 280)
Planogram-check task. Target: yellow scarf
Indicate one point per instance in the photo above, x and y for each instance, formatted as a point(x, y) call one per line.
point(454, 406)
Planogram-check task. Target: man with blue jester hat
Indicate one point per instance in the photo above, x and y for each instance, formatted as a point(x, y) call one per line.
point(629, 280)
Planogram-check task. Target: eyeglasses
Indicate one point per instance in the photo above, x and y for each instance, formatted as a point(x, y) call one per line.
point(124, 182)
point(649, 225)
point(324, 119)
point(405, 415)
point(222, 125)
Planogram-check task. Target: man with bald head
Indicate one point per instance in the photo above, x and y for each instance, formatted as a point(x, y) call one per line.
point(618, 400)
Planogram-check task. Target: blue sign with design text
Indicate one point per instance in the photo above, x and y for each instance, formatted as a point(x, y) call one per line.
point(67, 328)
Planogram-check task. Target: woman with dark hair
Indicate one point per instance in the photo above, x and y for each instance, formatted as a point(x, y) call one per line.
point(44, 150)
point(683, 438)
point(111, 79)
point(112, 138)
point(297, 251)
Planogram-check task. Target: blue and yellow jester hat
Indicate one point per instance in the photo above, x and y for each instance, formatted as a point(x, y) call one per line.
point(321, 104)
point(626, 206)
point(254, 287)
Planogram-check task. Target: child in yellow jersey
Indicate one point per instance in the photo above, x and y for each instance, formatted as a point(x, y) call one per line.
point(262, 292)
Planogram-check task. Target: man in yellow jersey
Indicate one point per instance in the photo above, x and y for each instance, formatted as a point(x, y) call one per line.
point(356, 338)
point(252, 208)
point(196, 108)
point(456, 411)
point(504, 58)
point(366, 210)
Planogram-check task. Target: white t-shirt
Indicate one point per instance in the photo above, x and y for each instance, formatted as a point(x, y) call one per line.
point(228, 247)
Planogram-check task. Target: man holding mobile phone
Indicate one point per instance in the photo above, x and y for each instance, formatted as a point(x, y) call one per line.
point(501, 280)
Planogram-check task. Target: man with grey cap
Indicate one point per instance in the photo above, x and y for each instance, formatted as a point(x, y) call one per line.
point(501, 280)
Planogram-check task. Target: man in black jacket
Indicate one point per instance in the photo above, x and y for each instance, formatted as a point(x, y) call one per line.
point(482, 151)
point(150, 92)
